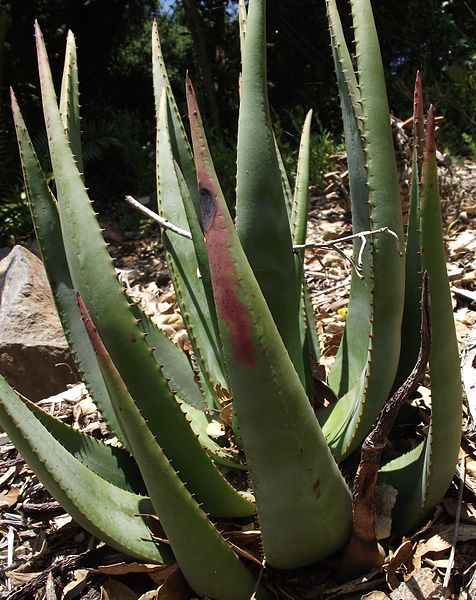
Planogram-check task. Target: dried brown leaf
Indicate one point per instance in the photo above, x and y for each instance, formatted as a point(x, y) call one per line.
point(150, 595)
point(400, 560)
point(8, 498)
point(175, 587)
point(126, 568)
point(74, 587)
point(115, 590)
point(468, 510)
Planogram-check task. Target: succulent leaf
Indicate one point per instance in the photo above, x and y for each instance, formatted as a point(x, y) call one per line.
point(413, 268)
point(113, 464)
point(95, 279)
point(69, 100)
point(436, 460)
point(366, 389)
point(261, 212)
point(200, 549)
point(290, 452)
point(114, 518)
point(45, 216)
point(216, 494)
point(186, 258)
point(179, 140)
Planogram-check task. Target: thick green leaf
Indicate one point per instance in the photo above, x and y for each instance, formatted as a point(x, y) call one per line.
point(94, 277)
point(368, 358)
point(200, 550)
point(242, 18)
point(301, 192)
point(411, 312)
point(435, 464)
point(186, 259)
point(69, 100)
point(446, 392)
point(283, 442)
point(106, 511)
point(180, 146)
point(48, 232)
point(298, 220)
point(261, 213)
point(113, 464)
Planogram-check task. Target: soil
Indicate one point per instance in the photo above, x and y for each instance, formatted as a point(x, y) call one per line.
point(46, 555)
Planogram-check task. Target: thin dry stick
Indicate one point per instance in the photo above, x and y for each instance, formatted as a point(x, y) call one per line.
point(10, 548)
point(88, 559)
point(347, 238)
point(363, 235)
point(158, 219)
point(338, 286)
point(258, 581)
point(451, 560)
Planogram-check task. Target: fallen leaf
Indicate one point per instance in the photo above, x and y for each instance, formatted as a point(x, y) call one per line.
point(150, 595)
point(158, 577)
point(74, 587)
point(50, 591)
point(126, 568)
point(468, 510)
point(401, 559)
point(85, 407)
point(175, 587)
point(9, 474)
point(60, 521)
point(115, 590)
point(19, 578)
point(9, 498)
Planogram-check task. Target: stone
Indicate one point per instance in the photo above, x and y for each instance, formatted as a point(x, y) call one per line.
point(34, 354)
point(425, 584)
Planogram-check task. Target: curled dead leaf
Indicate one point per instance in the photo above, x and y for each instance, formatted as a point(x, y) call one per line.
point(8, 498)
point(115, 590)
point(400, 562)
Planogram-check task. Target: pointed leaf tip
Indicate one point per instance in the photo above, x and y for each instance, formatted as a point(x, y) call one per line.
point(218, 228)
point(13, 99)
point(417, 96)
point(430, 140)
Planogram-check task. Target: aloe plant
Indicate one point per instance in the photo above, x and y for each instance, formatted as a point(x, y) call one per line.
point(242, 293)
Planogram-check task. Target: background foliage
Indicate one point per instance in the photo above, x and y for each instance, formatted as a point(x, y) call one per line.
point(437, 37)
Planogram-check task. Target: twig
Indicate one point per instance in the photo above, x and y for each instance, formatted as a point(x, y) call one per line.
point(451, 560)
point(338, 286)
point(258, 581)
point(86, 559)
point(158, 219)
point(362, 235)
point(465, 294)
point(10, 548)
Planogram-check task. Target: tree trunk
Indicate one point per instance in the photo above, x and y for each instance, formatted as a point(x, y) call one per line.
point(204, 64)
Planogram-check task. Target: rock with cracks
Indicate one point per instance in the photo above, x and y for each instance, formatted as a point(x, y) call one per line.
point(34, 355)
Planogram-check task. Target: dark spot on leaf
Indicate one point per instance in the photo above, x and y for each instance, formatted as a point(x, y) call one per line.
point(317, 488)
point(207, 207)
point(133, 338)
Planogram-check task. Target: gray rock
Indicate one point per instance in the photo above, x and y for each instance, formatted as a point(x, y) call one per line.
point(34, 355)
point(424, 585)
